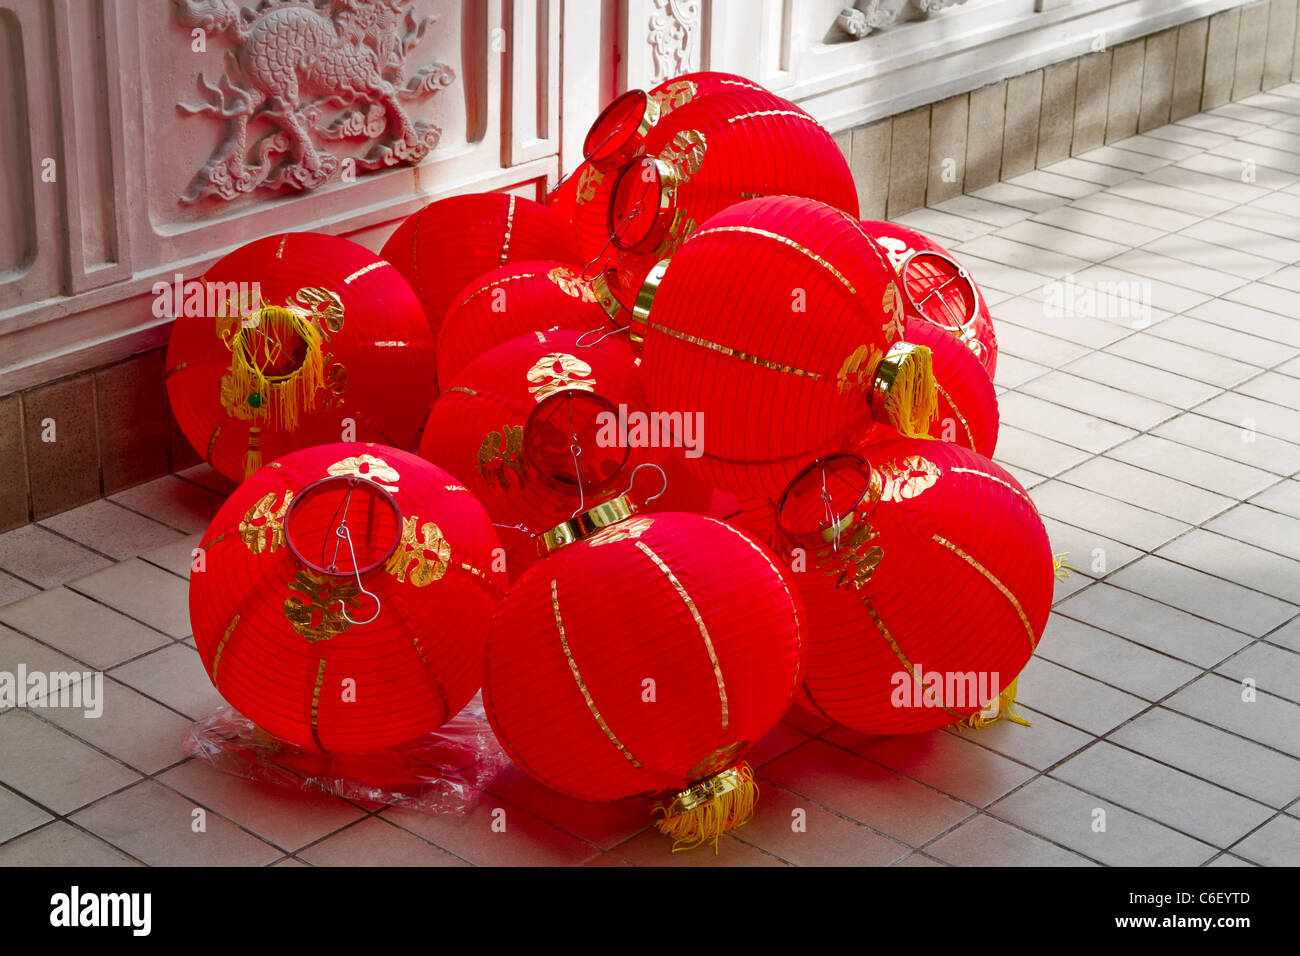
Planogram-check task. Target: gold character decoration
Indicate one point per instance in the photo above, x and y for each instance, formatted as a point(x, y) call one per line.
point(571, 283)
point(316, 610)
point(591, 178)
point(424, 557)
point(891, 305)
point(903, 480)
point(675, 94)
point(501, 451)
point(262, 527)
point(855, 561)
point(323, 307)
point(858, 369)
point(688, 148)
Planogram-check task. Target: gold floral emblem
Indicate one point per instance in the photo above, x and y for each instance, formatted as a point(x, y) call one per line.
point(559, 371)
point(366, 466)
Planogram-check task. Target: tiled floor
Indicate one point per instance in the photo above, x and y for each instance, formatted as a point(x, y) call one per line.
point(1163, 453)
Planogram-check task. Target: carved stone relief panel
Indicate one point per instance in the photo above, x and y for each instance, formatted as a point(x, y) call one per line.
point(867, 16)
point(307, 92)
point(674, 37)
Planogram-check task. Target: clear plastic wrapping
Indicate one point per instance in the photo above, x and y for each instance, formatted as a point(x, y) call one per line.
point(443, 772)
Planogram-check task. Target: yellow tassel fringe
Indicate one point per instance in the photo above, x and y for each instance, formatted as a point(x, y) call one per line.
point(253, 460)
point(1060, 569)
point(710, 809)
point(281, 398)
point(1006, 708)
point(912, 401)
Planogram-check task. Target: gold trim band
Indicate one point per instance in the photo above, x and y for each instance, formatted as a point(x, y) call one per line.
point(582, 685)
point(699, 623)
point(221, 646)
point(735, 353)
point(804, 250)
point(970, 439)
point(989, 576)
point(315, 704)
point(364, 269)
point(1004, 484)
point(898, 652)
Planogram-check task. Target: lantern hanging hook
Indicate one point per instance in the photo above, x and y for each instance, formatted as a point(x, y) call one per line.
point(343, 532)
point(831, 517)
point(631, 480)
point(619, 230)
point(607, 333)
point(575, 449)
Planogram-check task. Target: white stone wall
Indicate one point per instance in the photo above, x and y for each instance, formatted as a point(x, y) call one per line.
point(99, 158)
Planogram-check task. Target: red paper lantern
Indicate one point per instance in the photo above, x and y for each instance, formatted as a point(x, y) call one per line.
point(617, 136)
point(356, 643)
point(927, 589)
point(780, 322)
point(710, 154)
point(939, 289)
point(538, 295)
point(451, 242)
point(967, 405)
point(508, 424)
point(645, 653)
point(292, 338)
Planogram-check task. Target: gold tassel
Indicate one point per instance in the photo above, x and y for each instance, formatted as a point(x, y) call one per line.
point(253, 460)
point(1060, 569)
point(280, 398)
point(709, 809)
point(912, 400)
point(1006, 708)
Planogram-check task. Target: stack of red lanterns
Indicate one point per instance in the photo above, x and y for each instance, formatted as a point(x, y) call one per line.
point(696, 313)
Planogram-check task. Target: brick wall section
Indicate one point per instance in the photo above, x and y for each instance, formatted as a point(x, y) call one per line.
point(113, 427)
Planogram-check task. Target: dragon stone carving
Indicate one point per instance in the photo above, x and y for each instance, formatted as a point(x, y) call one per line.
point(294, 61)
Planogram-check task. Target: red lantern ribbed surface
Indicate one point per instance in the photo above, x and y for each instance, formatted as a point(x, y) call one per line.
point(712, 153)
point(647, 656)
point(615, 138)
point(968, 406)
point(282, 608)
point(938, 288)
point(506, 426)
point(296, 334)
point(772, 321)
point(943, 572)
point(537, 295)
point(451, 242)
